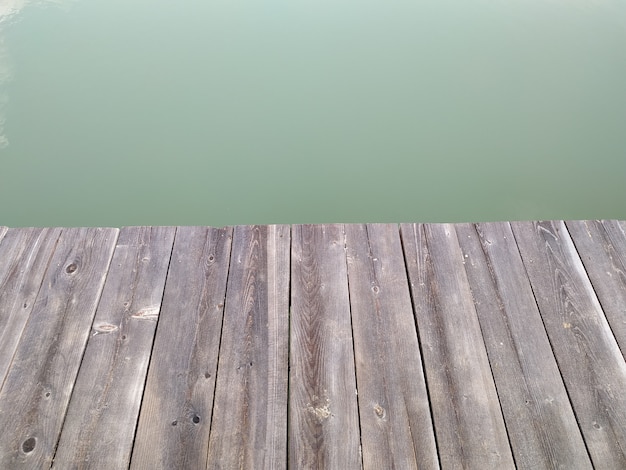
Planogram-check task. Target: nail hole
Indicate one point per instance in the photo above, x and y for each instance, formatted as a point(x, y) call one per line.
point(71, 268)
point(196, 419)
point(29, 445)
point(174, 423)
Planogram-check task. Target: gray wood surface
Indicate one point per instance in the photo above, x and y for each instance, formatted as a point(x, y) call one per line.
point(24, 257)
point(321, 346)
point(39, 383)
point(616, 229)
point(396, 425)
point(100, 424)
point(3, 231)
point(323, 411)
point(175, 416)
point(468, 421)
point(588, 356)
point(540, 421)
point(249, 425)
point(602, 249)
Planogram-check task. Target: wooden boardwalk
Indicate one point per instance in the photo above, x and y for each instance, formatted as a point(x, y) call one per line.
point(481, 346)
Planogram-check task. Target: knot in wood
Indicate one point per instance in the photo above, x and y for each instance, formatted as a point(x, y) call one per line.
point(72, 267)
point(29, 445)
point(103, 328)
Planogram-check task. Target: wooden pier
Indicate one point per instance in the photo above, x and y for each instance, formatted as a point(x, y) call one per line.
point(382, 346)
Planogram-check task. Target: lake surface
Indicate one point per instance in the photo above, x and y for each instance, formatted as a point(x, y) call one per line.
point(220, 112)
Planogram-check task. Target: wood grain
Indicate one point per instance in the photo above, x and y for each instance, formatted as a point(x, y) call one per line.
point(323, 412)
point(602, 249)
point(396, 425)
point(24, 257)
point(249, 426)
point(468, 421)
point(100, 423)
point(197, 347)
point(588, 356)
point(39, 383)
point(175, 416)
point(540, 421)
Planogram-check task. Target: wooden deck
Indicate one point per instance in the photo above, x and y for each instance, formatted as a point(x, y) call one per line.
point(495, 345)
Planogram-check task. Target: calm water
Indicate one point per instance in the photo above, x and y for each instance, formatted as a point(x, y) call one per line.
point(215, 112)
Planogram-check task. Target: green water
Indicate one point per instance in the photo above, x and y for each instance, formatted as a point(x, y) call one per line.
point(219, 112)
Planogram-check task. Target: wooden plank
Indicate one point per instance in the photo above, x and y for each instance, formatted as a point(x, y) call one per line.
point(24, 257)
point(100, 424)
point(249, 425)
point(540, 421)
point(589, 358)
point(602, 249)
point(323, 413)
point(40, 381)
point(396, 425)
point(616, 230)
point(468, 421)
point(175, 416)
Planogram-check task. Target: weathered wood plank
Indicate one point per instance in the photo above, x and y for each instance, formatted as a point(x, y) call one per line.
point(40, 381)
point(323, 413)
point(3, 231)
point(588, 356)
point(249, 425)
point(617, 234)
point(396, 425)
point(540, 421)
point(175, 416)
point(468, 421)
point(602, 249)
point(100, 424)
point(24, 257)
